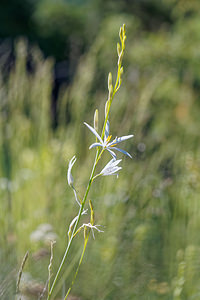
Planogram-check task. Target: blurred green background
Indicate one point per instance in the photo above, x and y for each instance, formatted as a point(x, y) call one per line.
point(54, 60)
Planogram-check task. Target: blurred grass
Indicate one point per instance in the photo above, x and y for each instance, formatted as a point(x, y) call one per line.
point(151, 245)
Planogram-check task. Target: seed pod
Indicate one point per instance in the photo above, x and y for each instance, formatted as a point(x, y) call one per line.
point(91, 213)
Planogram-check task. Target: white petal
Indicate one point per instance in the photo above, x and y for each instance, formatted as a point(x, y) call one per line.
point(111, 168)
point(107, 129)
point(111, 171)
point(95, 145)
point(112, 153)
point(112, 163)
point(94, 132)
point(116, 162)
point(120, 139)
point(123, 151)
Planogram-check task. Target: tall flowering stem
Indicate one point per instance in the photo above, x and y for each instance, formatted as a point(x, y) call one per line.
point(110, 169)
point(120, 52)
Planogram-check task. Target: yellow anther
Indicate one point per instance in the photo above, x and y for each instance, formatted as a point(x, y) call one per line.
point(108, 139)
point(113, 145)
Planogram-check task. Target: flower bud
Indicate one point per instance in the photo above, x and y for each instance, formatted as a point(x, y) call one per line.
point(121, 33)
point(120, 59)
point(96, 119)
point(106, 107)
point(118, 49)
point(124, 29)
point(110, 92)
point(109, 80)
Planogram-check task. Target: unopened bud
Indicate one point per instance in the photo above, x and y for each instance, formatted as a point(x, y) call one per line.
point(124, 29)
point(109, 80)
point(118, 49)
point(121, 33)
point(110, 92)
point(96, 119)
point(106, 107)
point(120, 59)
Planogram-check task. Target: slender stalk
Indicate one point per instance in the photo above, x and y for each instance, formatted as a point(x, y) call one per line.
point(78, 267)
point(20, 271)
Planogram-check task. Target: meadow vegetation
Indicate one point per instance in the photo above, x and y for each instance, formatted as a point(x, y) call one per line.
point(150, 248)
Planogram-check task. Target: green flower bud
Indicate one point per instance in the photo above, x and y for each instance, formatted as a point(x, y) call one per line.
point(106, 107)
point(109, 80)
point(110, 92)
point(121, 33)
point(124, 29)
point(118, 49)
point(120, 59)
point(96, 119)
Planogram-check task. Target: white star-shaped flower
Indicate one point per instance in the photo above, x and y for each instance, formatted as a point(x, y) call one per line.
point(106, 144)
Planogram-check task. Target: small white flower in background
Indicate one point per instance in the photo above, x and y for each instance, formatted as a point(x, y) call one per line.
point(45, 227)
point(111, 168)
point(70, 178)
point(44, 232)
point(106, 144)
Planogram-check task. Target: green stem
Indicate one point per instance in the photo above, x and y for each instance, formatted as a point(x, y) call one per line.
point(78, 267)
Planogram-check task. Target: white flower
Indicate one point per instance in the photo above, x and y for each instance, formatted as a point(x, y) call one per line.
point(92, 227)
point(106, 144)
point(111, 168)
point(70, 178)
